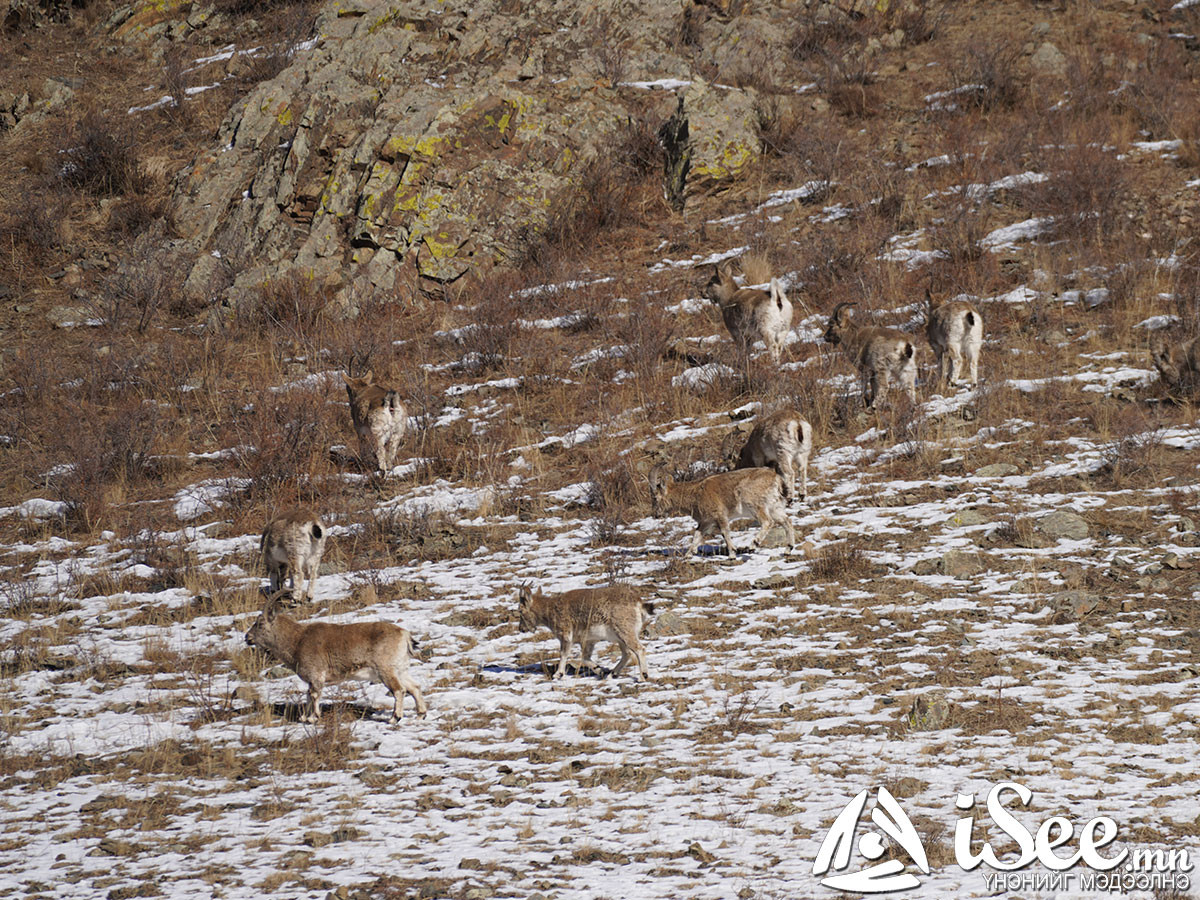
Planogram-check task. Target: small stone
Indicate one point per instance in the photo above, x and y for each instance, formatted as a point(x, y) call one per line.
point(1048, 60)
point(929, 712)
point(772, 582)
point(997, 470)
point(960, 564)
point(923, 567)
point(666, 623)
point(968, 518)
point(1061, 525)
point(1076, 603)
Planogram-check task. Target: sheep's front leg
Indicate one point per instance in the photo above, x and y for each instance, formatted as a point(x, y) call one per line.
point(730, 550)
point(314, 702)
point(564, 648)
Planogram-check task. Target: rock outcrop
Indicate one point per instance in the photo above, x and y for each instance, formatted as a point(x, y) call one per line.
point(410, 142)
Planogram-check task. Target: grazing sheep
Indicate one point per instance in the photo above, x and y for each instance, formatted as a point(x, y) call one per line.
point(750, 313)
point(1178, 362)
point(879, 354)
point(291, 546)
point(325, 653)
point(955, 332)
point(380, 420)
point(585, 616)
point(782, 440)
point(716, 500)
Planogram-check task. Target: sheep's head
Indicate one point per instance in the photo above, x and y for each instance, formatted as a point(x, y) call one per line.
point(721, 286)
point(527, 619)
point(839, 322)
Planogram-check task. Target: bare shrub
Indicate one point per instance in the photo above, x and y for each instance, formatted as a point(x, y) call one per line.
point(647, 332)
point(100, 156)
point(176, 81)
point(990, 69)
point(130, 216)
point(1083, 191)
point(609, 192)
point(613, 491)
point(287, 24)
point(843, 562)
point(33, 221)
point(133, 296)
point(282, 440)
point(821, 30)
point(691, 24)
point(487, 342)
point(608, 40)
point(920, 20)
point(850, 84)
point(959, 233)
point(107, 448)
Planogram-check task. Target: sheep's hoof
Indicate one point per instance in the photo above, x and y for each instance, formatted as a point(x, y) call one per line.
point(556, 676)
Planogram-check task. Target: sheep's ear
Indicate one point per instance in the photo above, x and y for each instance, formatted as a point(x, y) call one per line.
point(274, 605)
point(369, 377)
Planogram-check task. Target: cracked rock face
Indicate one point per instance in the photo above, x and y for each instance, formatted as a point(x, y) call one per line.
point(411, 142)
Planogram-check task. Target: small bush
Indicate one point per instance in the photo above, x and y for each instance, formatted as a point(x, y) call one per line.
point(821, 31)
point(133, 297)
point(991, 69)
point(33, 221)
point(849, 83)
point(282, 439)
point(107, 448)
point(100, 156)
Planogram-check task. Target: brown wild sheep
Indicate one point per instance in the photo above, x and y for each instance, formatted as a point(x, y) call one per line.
point(380, 420)
point(1178, 362)
point(751, 313)
point(879, 354)
point(782, 440)
point(716, 500)
point(955, 332)
point(585, 616)
point(325, 653)
point(291, 547)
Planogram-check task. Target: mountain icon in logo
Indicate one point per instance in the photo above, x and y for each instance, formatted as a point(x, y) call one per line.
point(883, 877)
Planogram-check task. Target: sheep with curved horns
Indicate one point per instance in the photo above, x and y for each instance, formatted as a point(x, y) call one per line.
point(881, 355)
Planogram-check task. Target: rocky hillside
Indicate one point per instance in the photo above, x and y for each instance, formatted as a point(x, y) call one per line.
point(509, 212)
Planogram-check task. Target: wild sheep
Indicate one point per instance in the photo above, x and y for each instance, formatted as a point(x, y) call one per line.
point(1178, 362)
point(291, 547)
point(955, 332)
point(717, 499)
point(380, 420)
point(585, 616)
point(751, 313)
point(783, 441)
point(325, 653)
point(880, 354)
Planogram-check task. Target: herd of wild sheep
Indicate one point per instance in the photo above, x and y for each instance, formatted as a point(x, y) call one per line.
point(759, 487)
